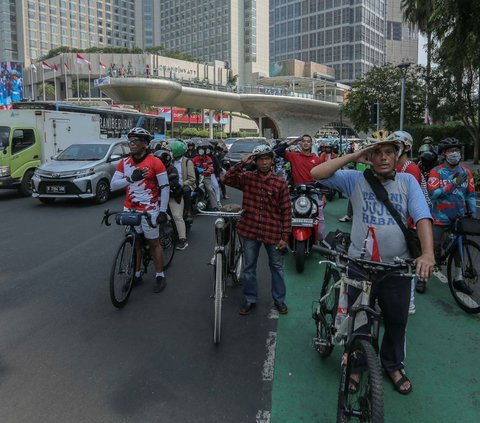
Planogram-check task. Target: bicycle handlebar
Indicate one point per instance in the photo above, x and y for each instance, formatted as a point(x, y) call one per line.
point(220, 213)
point(343, 259)
point(107, 214)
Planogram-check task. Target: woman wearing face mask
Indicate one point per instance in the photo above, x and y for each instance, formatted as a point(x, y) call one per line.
point(452, 191)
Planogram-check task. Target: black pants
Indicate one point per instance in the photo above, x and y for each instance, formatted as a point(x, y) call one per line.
point(393, 295)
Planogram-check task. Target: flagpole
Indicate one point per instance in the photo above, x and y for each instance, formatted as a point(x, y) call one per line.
point(65, 74)
point(99, 90)
point(43, 82)
point(55, 83)
point(78, 87)
point(89, 88)
point(31, 81)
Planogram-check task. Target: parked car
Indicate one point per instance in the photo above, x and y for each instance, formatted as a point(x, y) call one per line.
point(79, 171)
point(229, 142)
point(241, 148)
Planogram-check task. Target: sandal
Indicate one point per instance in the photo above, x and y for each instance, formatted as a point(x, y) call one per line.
point(398, 384)
point(353, 384)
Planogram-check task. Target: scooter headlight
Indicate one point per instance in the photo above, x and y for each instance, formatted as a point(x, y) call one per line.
point(302, 206)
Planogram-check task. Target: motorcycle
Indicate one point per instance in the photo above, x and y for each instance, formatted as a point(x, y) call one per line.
point(304, 222)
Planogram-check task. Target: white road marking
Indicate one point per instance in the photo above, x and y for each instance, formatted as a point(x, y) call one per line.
point(269, 363)
point(262, 416)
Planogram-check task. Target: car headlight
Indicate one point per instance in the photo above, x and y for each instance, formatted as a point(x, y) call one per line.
point(4, 171)
point(302, 206)
point(84, 173)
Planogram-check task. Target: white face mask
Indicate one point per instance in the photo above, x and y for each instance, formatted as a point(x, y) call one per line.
point(453, 158)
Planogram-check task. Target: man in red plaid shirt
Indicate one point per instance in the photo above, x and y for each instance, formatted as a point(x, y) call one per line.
point(266, 219)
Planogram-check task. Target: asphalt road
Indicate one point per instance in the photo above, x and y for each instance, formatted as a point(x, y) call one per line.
point(67, 355)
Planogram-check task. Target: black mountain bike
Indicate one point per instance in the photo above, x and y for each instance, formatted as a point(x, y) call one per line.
point(467, 251)
point(365, 403)
point(227, 260)
point(123, 267)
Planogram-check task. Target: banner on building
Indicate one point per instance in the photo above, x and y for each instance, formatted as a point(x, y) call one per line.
point(11, 83)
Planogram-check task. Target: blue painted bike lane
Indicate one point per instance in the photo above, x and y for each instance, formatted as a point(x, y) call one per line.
point(443, 347)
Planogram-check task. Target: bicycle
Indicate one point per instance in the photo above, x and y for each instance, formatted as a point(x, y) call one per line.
point(227, 259)
point(123, 268)
point(334, 326)
point(469, 253)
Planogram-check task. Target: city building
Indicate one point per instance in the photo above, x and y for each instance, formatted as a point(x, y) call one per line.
point(350, 36)
point(235, 32)
point(29, 29)
point(401, 38)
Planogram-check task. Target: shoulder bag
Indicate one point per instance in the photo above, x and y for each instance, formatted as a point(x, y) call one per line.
point(411, 237)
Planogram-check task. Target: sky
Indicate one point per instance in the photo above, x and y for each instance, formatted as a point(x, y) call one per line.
point(422, 54)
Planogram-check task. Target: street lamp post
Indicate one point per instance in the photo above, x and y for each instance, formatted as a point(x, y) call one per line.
point(403, 70)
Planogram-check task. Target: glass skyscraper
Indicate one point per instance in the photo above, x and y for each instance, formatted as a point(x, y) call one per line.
point(235, 32)
point(348, 35)
point(47, 24)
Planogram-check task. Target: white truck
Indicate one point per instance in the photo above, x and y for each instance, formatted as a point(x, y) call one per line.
point(31, 137)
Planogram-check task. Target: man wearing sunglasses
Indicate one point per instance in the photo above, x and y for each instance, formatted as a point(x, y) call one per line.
point(145, 179)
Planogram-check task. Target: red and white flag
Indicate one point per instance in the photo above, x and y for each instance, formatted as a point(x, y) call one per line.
point(65, 66)
point(34, 68)
point(102, 65)
point(55, 67)
point(372, 245)
point(81, 60)
point(46, 65)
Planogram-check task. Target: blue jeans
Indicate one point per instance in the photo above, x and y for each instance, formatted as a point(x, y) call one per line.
point(251, 249)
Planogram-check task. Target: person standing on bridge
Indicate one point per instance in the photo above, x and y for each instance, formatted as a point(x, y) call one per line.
point(266, 219)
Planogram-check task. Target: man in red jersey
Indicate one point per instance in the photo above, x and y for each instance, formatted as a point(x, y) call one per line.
point(145, 178)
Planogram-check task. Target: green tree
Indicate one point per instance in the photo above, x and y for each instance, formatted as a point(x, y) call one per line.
point(457, 35)
point(383, 84)
point(83, 88)
point(418, 13)
point(49, 91)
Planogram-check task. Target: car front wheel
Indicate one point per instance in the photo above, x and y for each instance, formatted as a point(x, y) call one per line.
point(102, 192)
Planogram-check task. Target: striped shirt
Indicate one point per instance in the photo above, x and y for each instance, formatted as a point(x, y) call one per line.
point(267, 209)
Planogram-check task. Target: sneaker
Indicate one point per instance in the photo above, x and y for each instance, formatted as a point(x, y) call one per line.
point(421, 286)
point(182, 244)
point(137, 280)
point(345, 218)
point(281, 308)
point(246, 308)
point(160, 284)
point(412, 309)
point(461, 286)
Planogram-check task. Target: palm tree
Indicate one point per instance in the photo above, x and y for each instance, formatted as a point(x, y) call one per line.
point(418, 13)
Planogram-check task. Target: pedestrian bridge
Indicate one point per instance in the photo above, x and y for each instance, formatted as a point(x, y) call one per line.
point(285, 113)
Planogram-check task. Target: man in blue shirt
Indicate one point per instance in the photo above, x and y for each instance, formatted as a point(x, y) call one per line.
point(370, 214)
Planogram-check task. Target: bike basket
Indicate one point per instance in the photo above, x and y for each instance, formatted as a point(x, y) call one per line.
point(128, 218)
point(468, 226)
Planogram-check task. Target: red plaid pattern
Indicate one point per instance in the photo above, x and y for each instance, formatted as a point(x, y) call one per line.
point(267, 209)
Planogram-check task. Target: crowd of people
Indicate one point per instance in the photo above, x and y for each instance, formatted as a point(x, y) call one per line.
point(426, 200)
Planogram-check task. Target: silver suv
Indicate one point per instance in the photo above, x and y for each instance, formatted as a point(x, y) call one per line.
point(79, 171)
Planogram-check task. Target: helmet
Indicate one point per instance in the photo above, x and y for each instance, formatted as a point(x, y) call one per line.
point(383, 136)
point(190, 142)
point(179, 148)
point(141, 133)
point(263, 150)
point(403, 137)
point(428, 156)
point(165, 156)
point(428, 140)
point(448, 143)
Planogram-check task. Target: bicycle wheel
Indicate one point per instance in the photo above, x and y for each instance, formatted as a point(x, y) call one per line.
point(324, 315)
point(218, 297)
point(122, 273)
point(236, 259)
point(467, 296)
point(167, 241)
point(366, 404)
